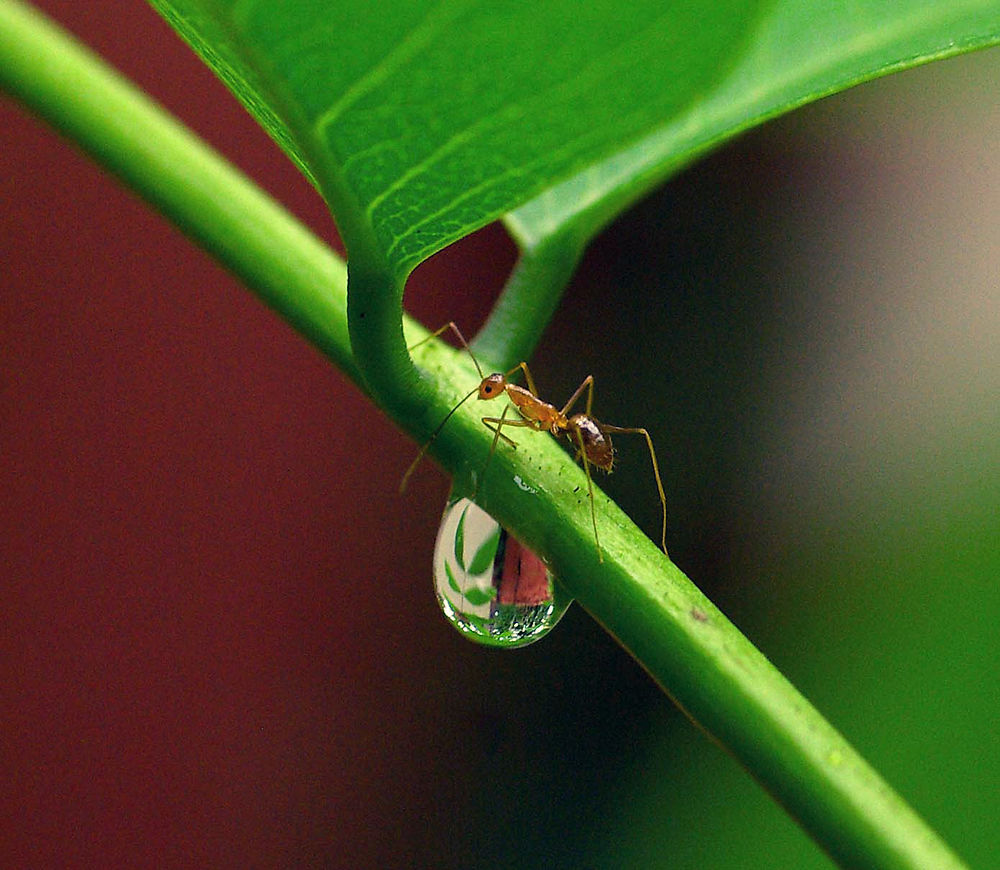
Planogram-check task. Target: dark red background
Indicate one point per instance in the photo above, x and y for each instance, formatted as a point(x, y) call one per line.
point(217, 620)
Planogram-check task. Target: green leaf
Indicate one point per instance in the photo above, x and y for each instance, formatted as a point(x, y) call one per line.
point(460, 539)
point(799, 50)
point(452, 582)
point(422, 122)
point(485, 554)
point(477, 597)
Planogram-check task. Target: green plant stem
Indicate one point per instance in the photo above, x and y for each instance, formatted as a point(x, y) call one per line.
point(529, 299)
point(712, 671)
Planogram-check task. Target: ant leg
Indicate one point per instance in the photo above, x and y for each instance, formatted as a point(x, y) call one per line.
point(656, 473)
point(588, 384)
point(590, 492)
point(449, 325)
point(500, 422)
point(523, 366)
point(458, 334)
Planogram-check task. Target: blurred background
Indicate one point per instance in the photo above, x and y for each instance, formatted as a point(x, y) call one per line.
point(219, 644)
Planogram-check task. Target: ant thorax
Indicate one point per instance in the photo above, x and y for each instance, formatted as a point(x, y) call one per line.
point(540, 414)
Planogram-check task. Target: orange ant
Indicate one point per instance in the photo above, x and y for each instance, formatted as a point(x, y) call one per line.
point(590, 437)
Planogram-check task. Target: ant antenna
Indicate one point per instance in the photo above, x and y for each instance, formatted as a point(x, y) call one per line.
point(423, 450)
point(434, 434)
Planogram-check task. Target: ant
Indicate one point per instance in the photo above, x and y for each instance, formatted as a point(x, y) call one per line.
point(590, 437)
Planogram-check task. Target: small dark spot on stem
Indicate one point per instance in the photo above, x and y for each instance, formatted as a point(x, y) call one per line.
point(698, 614)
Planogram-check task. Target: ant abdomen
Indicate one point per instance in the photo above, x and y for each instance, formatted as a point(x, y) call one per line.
point(596, 443)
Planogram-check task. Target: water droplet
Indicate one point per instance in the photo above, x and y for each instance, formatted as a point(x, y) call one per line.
point(492, 588)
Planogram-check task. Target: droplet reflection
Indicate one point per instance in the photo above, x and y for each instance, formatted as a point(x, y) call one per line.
point(493, 589)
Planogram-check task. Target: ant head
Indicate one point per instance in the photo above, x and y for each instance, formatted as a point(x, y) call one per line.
point(492, 386)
